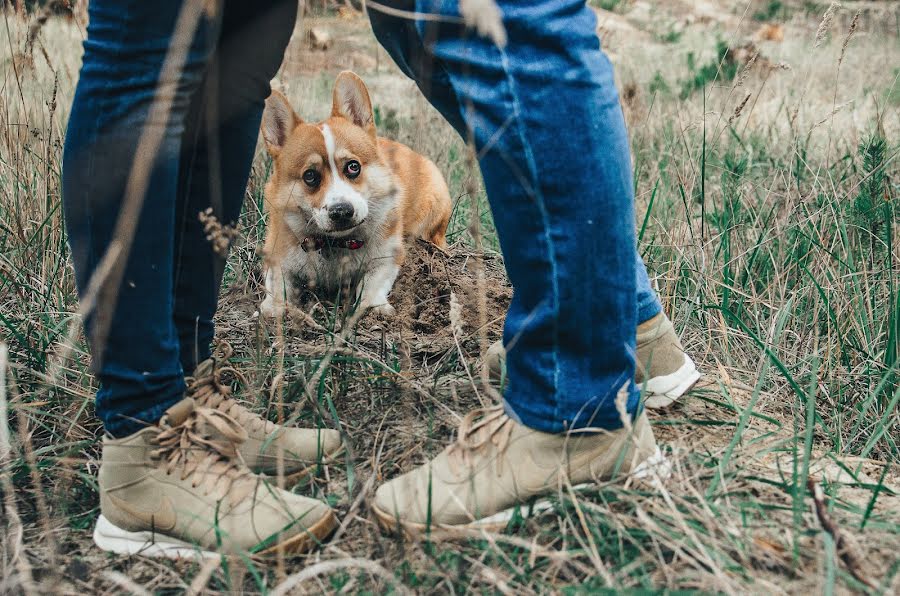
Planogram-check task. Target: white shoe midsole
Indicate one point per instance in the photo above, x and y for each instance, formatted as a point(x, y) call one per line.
point(114, 539)
point(662, 391)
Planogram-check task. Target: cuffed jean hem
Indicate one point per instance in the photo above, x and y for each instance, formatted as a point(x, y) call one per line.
point(649, 308)
point(119, 422)
point(648, 304)
point(596, 414)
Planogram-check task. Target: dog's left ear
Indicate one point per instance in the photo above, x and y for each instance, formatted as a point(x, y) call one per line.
point(350, 100)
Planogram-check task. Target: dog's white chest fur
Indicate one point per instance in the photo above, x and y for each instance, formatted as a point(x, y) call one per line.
point(369, 271)
point(331, 269)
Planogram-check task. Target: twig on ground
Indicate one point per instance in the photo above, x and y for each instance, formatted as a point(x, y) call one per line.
point(843, 549)
point(203, 575)
point(124, 582)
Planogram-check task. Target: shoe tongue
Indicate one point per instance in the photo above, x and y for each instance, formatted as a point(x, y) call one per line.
point(178, 413)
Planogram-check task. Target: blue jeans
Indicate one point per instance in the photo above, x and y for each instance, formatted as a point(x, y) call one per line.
point(161, 313)
point(544, 115)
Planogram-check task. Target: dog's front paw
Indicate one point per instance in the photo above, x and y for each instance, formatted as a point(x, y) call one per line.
point(271, 309)
point(384, 309)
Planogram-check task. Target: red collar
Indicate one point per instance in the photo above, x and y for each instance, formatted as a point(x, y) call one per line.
point(317, 243)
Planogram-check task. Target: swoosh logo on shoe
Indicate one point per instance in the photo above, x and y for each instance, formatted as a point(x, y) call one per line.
point(163, 519)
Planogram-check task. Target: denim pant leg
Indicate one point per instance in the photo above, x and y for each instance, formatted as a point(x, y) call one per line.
point(217, 154)
point(400, 37)
point(401, 40)
point(545, 117)
point(138, 364)
point(648, 305)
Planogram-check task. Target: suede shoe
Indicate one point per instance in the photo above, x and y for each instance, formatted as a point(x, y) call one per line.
point(664, 371)
point(497, 466)
point(303, 448)
point(180, 490)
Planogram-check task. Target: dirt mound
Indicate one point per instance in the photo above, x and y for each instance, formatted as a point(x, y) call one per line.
point(423, 291)
point(431, 284)
point(421, 296)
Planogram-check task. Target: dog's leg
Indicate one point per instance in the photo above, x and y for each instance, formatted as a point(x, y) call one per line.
point(280, 264)
point(377, 285)
point(380, 277)
point(279, 290)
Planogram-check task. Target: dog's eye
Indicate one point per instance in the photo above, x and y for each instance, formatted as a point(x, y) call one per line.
point(312, 178)
point(352, 169)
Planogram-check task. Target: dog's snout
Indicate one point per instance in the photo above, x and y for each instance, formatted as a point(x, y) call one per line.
point(341, 212)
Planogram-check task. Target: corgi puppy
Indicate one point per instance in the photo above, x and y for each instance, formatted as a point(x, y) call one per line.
point(341, 201)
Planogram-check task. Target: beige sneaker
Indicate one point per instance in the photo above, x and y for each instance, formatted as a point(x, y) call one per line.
point(664, 371)
point(180, 490)
point(303, 448)
point(496, 466)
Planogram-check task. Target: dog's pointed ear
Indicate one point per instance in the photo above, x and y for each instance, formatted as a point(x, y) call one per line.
point(278, 121)
point(350, 100)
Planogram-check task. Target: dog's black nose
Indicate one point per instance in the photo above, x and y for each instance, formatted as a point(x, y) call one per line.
point(341, 212)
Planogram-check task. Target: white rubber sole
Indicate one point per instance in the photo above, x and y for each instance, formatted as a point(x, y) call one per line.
point(663, 391)
point(114, 539)
point(653, 471)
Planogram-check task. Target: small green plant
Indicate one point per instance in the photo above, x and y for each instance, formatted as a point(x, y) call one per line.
point(658, 85)
point(875, 215)
point(774, 9)
point(810, 7)
point(670, 35)
point(610, 5)
point(723, 68)
point(870, 209)
point(386, 121)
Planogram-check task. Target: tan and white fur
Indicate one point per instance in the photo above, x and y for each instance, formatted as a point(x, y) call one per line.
point(337, 183)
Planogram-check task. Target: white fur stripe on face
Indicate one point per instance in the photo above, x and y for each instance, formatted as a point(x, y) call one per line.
point(330, 149)
point(339, 190)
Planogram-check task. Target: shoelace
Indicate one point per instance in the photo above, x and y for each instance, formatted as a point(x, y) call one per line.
point(204, 447)
point(478, 430)
point(209, 391)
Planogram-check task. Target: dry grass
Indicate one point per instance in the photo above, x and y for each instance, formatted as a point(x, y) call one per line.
point(767, 197)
